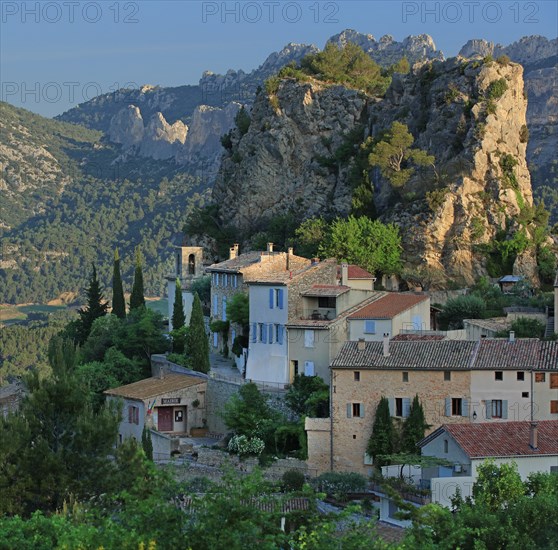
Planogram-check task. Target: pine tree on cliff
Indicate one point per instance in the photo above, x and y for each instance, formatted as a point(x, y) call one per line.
point(136, 298)
point(118, 303)
point(94, 309)
point(197, 345)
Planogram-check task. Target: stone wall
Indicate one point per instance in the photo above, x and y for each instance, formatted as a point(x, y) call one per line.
point(350, 435)
point(318, 432)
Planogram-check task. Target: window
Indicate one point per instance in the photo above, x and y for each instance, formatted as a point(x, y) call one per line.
point(521, 376)
point(261, 332)
point(398, 406)
point(447, 375)
point(554, 407)
point(446, 446)
point(357, 376)
point(496, 409)
point(554, 381)
point(133, 414)
point(226, 279)
point(540, 377)
point(308, 338)
point(355, 410)
point(191, 264)
point(498, 375)
point(326, 301)
point(277, 333)
point(554, 470)
point(369, 327)
point(405, 377)
point(525, 394)
point(275, 298)
point(457, 406)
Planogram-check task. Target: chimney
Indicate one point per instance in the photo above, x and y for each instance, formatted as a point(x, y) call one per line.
point(314, 261)
point(512, 336)
point(361, 346)
point(289, 254)
point(345, 274)
point(233, 252)
point(386, 344)
point(161, 372)
point(270, 247)
point(534, 436)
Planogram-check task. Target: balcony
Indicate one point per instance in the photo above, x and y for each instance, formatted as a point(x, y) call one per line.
point(319, 314)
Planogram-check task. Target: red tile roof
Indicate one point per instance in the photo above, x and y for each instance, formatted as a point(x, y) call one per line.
point(326, 290)
point(417, 337)
point(356, 272)
point(389, 306)
point(504, 439)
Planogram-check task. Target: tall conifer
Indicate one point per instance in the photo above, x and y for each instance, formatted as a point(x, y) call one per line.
point(94, 309)
point(414, 427)
point(178, 317)
point(197, 348)
point(118, 303)
point(136, 298)
point(381, 440)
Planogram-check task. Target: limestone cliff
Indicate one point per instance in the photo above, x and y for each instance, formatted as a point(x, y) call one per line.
point(455, 111)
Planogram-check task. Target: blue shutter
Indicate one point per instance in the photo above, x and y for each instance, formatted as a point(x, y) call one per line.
point(270, 330)
point(281, 331)
point(280, 298)
point(406, 407)
point(349, 410)
point(448, 406)
point(224, 312)
point(505, 409)
point(391, 402)
point(215, 304)
point(488, 404)
point(264, 335)
point(254, 337)
point(464, 407)
point(362, 410)
point(270, 298)
point(370, 327)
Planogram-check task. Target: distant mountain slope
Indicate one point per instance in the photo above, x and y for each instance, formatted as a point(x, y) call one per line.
point(68, 201)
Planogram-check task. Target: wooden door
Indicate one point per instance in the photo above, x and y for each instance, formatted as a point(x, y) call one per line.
point(165, 421)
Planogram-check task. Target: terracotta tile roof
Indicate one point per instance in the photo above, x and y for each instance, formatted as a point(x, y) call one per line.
point(452, 354)
point(151, 387)
point(237, 264)
point(326, 290)
point(503, 439)
point(273, 504)
point(444, 354)
point(389, 306)
point(417, 337)
point(496, 323)
point(356, 272)
point(287, 277)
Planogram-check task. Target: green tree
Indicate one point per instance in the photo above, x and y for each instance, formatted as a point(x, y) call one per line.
point(147, 443)
point(462, 307)
point(178, 320)
point(197, 345)
point(368, 243)
point(497, 487)
point(395, 156)
point(381, 440)
point(136, 298)
point(63, 446)
point(414, 427)
point(309, 235)
point(94, 309)
point(242, 121)
point(308, 396)
point(118, 303)
point(238, 311)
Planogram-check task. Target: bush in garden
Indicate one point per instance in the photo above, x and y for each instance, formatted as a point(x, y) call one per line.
point(242, 445)
point(293, 480)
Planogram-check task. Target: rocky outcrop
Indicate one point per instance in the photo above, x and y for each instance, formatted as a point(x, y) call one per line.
point(126, 127)
point(161, 139)
point(286, 161)
point(387, 51)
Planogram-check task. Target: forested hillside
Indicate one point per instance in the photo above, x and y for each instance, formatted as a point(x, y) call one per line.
point(70, 200)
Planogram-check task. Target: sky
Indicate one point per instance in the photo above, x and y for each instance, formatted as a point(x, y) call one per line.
point(57, 54)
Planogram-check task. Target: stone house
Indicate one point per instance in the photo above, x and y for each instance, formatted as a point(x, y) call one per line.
point(391, 314)
point(10, 397)
point(171, 403)
point(456, 381)
point(231, 277)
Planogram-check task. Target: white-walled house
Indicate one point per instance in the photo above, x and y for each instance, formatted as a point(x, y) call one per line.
point(391, 314)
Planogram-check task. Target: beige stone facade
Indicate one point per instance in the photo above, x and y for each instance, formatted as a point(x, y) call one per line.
point(318, 431)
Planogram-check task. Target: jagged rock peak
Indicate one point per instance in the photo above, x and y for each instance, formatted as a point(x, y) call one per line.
point(387, 50)
point(477, 47)
point(291, 52)
point(126, 127)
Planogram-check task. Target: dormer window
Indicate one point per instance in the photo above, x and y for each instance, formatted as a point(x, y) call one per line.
point(326, 302)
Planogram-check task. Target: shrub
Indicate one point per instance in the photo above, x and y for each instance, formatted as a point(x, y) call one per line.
point(242, 121)
point(340, 484)
point(226, 141)
point(503, 60)
point(272, 85)
point(242, 445)
point(524, 134)
point(497, 89)
point(436, 198)
point(293, 480)
point(462, 307)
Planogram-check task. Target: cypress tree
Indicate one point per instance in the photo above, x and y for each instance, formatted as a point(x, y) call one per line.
point(146, 443)
point(196, 339)
point(178, 318)
point(118, 303)
point(94, 309)
point(381, 440)
point(136, 298)
point(414, 427)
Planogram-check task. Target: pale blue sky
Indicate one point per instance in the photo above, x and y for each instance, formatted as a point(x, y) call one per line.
point(67, 52)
